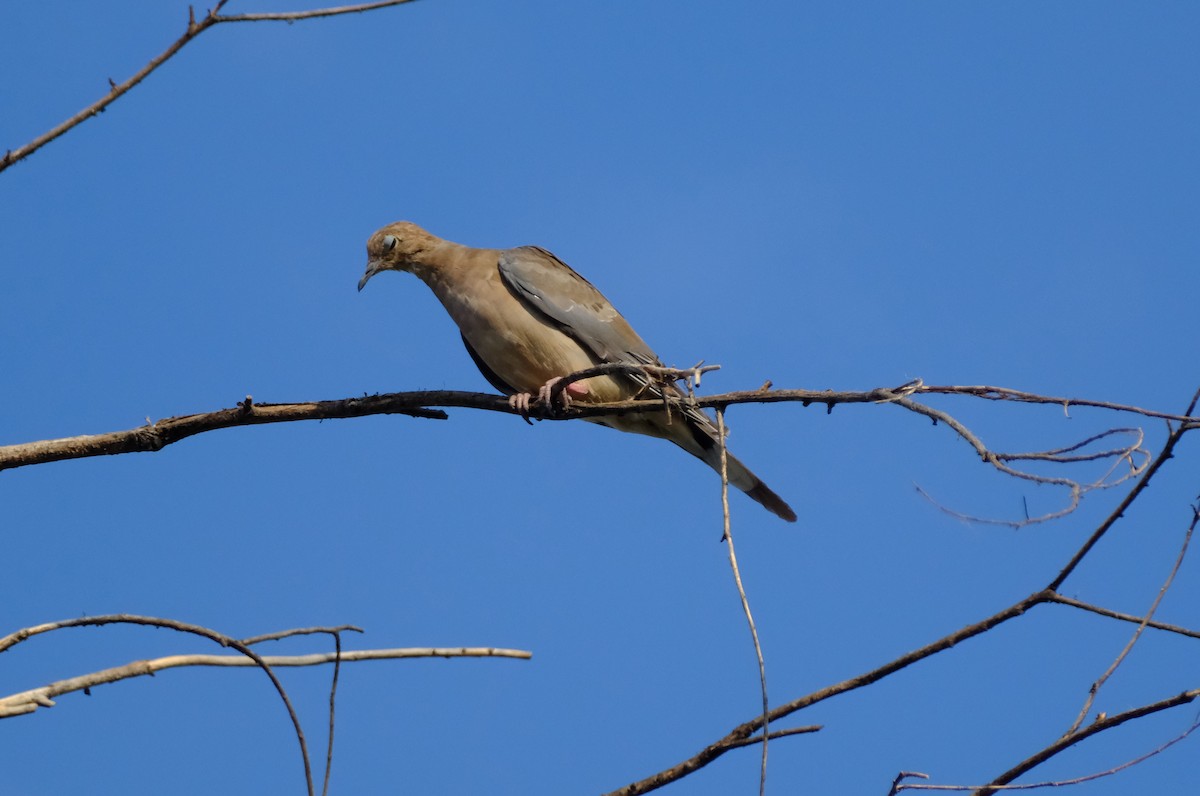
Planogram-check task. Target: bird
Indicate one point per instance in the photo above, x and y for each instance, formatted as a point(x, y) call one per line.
point(528, 319)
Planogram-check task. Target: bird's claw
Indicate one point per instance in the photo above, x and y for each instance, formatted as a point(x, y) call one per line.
point(546, 395)
point(520, 402)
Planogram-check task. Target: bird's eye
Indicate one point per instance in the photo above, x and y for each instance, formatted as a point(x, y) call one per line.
point(389, 243)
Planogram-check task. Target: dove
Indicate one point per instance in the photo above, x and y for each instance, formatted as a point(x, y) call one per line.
point(528, 319)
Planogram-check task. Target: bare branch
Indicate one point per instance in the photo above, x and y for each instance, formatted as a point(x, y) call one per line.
point(194, 28)
point(29, 701)
point(1099, 725)
point(1137, 634)
point(1006, 394)
point(998, 460)
point(1124, 617)
point(337, 669)
point(737, 735)
point(775, 734)
point(897, 786)
point(727, 537)
point(316, 13)
point(302, 631)
point(156, 436)
point(1144, 481)
point(182, 627)
point(1047, 595)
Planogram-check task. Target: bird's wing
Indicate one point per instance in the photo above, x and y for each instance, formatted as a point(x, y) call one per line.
point(492, 376)
point(551, 288)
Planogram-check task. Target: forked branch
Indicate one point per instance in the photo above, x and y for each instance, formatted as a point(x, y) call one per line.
point(1049, 594)
point(29, 701)
point(194, 28)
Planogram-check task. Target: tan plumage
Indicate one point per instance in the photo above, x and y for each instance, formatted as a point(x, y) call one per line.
point(528, 319)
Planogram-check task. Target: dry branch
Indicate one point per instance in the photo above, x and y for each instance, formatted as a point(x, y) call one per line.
point(194, 29)
point(157, 435)
point(1137, 633)
point(898, 784)
point(1096, 727)
point(1047, 595)
point(1141, 464)
point(727, 537)
point(29, 701)
point(183, 627)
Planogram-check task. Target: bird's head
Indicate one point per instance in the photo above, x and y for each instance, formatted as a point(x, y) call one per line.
point(396, 247)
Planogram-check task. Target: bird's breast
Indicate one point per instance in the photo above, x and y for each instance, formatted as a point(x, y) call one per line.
point(523, 348)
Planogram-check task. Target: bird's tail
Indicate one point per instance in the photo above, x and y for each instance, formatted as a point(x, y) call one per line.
point(696, 434)
point(744, 479)
point(764, 496)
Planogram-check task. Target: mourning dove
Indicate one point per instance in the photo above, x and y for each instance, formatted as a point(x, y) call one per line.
point(528, 319)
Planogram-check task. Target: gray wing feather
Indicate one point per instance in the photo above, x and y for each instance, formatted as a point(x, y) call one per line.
point(551, 288)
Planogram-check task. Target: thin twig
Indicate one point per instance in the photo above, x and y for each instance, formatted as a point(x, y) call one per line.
point(301, 631)
point(1098, 726)
point(897, 786)
point(337, 666)
point(34, 702)
point(776, 734)
point(1018, 396)
point(316, 13)
point(727, 537)
point(1094, 690)
point(1075, 489)
point(1142, 482)
point(750, 728)
point(1019, 608)
point(1124, 617)
point(194, 28)
point(29, 701)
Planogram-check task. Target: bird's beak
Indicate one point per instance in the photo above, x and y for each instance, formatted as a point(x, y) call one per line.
point(373, 267)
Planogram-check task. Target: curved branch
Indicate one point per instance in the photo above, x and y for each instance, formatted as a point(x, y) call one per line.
point(898, 785)
point(1046, 595)
point(29, 701)
point(156, 436)
point(735, 737)
point(1098, 726)
point(1094, 691)
point(194, 29)
point(183, 627)
point(1116, 514)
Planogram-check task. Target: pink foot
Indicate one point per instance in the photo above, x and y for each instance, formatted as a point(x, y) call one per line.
point(521, 401)
point(573, 389)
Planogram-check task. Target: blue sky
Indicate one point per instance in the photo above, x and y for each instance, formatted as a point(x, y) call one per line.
point(828, 196)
